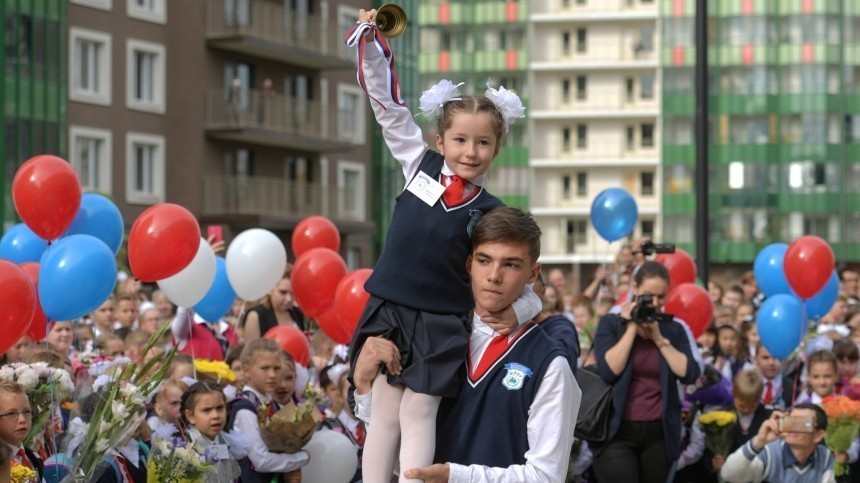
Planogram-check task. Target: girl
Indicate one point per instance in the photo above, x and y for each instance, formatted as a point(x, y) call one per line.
point(425, 314)
point(329, 377)
point(276, 308)
point(165, 418)
point(262, 362)
point(749, 335)
point(285, 392)
point(729, 356)
point(204, 409)
point(821, 377)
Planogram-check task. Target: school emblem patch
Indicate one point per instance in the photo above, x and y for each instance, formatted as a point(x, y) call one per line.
point(516, 376)
point(474, 216)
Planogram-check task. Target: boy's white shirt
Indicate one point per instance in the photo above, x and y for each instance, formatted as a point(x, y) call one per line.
point(265, 461)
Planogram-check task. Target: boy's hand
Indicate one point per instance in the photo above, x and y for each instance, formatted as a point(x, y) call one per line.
point(294, 476)
point(430, 474)
point(367, 16)
point(503, 321)
point(717, 462)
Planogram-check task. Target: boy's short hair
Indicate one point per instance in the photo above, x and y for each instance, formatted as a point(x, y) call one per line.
point(748, 385)
point(255, 346)
point(102, 340)
point(11, 387)
point(846, 349)
point(506, 224)
point(52, 358)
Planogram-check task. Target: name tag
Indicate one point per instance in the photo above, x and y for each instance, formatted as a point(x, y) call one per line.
point(221, 451)
point(426, 188)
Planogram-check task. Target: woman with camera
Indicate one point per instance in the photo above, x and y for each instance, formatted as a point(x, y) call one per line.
point(643, 353)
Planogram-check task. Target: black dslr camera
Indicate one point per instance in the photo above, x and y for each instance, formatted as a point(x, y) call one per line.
point(645, 312)
point(649, 248)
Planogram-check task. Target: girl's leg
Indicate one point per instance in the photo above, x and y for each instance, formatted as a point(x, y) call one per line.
point(383, 432)
point(418, 430)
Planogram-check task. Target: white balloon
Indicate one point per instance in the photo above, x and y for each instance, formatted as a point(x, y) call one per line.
point(256, 260)
point(333, 458)
point(189, 286)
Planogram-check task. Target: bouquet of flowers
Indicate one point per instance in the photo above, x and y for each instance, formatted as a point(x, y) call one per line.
point(214, 371)
point(117, 415)
point(290, 429)
point(22, 474)
point(177, 462)
point(718, 431)
point(843, 423)
point(45, 386)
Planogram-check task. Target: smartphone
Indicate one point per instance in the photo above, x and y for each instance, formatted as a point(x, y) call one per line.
point(216, 232)
point(797, 424)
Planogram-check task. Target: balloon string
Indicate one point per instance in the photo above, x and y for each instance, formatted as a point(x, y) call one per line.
point(801, 348)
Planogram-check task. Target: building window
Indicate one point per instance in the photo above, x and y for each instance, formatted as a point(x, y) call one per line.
point(148, 10)
point(736, 175)
point(577, 234)
point(647, 135)
point(352, 115)
point(630, 137)
point(646, 183)
point(565, 139)
point(581, 41)
point(679, 180)
point(144, 168)
point(351, 199)
point(646, 86)
point(565, 43)
point(90, 57)
point(99, 4)
point(807, 175)
point(582, 184)
point(565, 187)
point(581, 136)
point(581, 88)
point(630, 89)
point(647, 228)
point(346, 20)
point(146, 87)
point(565, 91)
point(91, 157)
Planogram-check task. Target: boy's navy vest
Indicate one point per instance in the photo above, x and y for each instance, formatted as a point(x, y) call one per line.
point(495, 408)
point(249, 475)
point(423, 264)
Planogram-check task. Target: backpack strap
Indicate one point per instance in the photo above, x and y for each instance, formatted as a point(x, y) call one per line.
point(234, 407)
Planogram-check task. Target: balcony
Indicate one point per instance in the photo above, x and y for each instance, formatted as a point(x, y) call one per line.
point(257, 117)
point(274, 199)
point(566, 11)
point(554, 153)
point(617, 55)
point(590, 106)
point(264, 29)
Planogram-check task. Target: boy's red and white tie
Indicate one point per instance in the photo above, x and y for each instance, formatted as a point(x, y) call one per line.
point(454, 191)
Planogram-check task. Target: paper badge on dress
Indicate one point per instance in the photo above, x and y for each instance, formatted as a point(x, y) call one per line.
point(516, 376)
point(426, 188)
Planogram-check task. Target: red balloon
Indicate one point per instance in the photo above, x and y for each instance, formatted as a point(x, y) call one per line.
point(693, 305)
point(39, 325)
point(808, 265)
point(681, 267)
point(46, 192)
point(163, 241)
point(315, 232)
point(17, 304)
point(332, 324)
point(350, 297)
point(292, 341)
point(314, 278)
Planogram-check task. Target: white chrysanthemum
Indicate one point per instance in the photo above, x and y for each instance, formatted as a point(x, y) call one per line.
point(119, 410)
point(433, 99)
point(28, 379)
point(7, 373)
point(66, 383)
point(508, 103)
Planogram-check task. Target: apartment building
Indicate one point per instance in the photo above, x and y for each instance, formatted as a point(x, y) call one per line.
point(244, 111)
point(593, 115)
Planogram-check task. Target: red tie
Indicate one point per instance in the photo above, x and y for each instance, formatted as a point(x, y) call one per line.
point(24, 460)
point(497, 347)
point(453, 194)
point(272, 408)
point(768, 393)
point(359, 435)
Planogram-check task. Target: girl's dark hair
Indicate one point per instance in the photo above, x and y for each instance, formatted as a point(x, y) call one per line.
point(651, 270)
point(472, 105)
point(189, 397)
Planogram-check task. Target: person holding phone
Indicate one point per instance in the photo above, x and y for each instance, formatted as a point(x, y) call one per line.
point(786, 448)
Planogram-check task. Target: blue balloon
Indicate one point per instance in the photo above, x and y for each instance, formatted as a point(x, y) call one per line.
point(780, 324)
point(821, 303)
point(99, 217)
point(614, 214)
point(768, 270)
point(220, 296)
point(19, 245)
point(78, 274)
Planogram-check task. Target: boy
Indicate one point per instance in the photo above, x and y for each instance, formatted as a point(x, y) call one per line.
point(16, 418)
point(126, 312)
point(746, 390)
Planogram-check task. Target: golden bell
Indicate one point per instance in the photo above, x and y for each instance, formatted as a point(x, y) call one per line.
point(390, 20)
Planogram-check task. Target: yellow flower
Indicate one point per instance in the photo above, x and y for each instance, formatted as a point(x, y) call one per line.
point(220, 369)
point(720, 418)
point(22, 474)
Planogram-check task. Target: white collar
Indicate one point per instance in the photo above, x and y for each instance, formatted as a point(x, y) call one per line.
point(479, 326)
point(131, 451)
point(477, 180)
point(263, 398)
